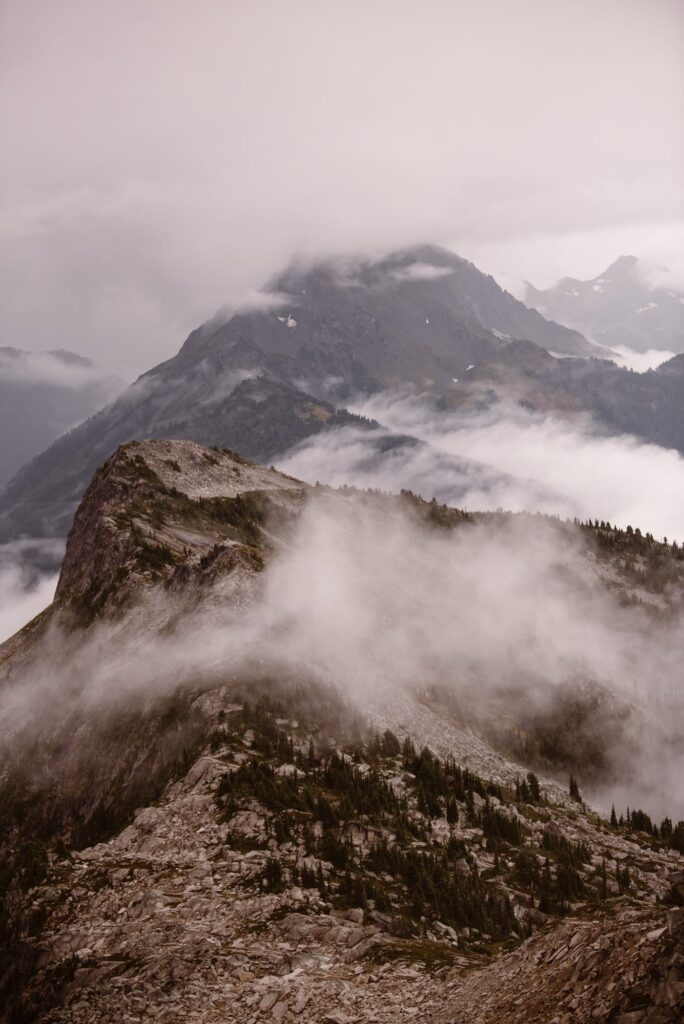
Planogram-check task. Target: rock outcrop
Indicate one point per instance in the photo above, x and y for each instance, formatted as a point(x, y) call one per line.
point(251, 846)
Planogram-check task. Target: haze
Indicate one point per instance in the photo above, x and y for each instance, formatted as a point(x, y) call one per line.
point(365, 598)
point(162, 159)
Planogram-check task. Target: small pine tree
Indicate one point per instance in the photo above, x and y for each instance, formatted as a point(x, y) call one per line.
point(546, 904)
point(574, 789)
point(273, 875)
point(677, 840)
point(533, 783)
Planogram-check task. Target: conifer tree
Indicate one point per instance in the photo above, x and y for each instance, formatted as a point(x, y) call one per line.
point(574, 789)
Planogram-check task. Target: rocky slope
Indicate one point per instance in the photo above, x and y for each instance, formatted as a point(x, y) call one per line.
point(245, 893)
point(617, 308)
point(258, 847)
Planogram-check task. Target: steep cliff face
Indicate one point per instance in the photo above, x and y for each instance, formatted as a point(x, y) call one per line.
point(156, 504)
point(219, 844)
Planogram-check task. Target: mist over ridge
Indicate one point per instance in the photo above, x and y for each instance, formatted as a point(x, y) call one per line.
point(361, 591)
point(341, 512)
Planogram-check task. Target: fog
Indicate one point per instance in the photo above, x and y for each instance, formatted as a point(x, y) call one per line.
point(52, 368)
point(365, 598)
point(163, 159)
point(640, 362)
point(504, 458)
point(21, 599)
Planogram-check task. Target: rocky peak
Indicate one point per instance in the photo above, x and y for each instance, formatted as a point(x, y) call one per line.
point(152, 505)
point(623, 266)
point(619, 307)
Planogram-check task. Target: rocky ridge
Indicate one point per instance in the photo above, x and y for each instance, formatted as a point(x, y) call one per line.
point(204, 911)
point(260, 850)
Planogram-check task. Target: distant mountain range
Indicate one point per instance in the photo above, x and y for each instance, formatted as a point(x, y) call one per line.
point(263, 379)
point(43, 394)
point(617, 308)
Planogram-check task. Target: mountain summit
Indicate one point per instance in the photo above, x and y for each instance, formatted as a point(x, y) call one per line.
point(337, 326)
point(617, 308)
point(261, 379)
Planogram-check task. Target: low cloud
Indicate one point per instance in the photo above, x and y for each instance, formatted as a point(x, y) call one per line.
point(364, 597)
point(665, 268)
point(20, 602)
point(640, 362)
point(28, 577)
point(255, 300)
point(419, 272)
point(58, 369)
point(504, 458)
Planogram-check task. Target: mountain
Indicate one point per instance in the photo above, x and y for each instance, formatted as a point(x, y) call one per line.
point(258, 414)
point(42, 395)
point(193, 828)
point(339, 326)
point(617, 308)
point(620, 401)
point(262, 380)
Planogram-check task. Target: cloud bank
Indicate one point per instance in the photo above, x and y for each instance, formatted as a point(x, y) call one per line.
point(19, 601)
point(504, 458)
point(364, 597)
point(62, 370)
point(640, 362)
point(148, 178)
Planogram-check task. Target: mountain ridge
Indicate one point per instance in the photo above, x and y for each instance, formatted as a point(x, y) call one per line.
point(227, 843)
point(264, 380)
point(617, 308)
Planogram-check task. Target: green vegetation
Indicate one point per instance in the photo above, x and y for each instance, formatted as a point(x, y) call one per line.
point(667, 834)
point(153, 558)
point(377, 842)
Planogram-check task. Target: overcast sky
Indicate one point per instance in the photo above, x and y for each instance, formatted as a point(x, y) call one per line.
point(162, 157)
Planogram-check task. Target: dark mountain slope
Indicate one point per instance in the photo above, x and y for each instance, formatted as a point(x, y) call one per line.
point(262, 417)
point(264, 380)
point(421, 316)
point(648, 405)
point(43, 394)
